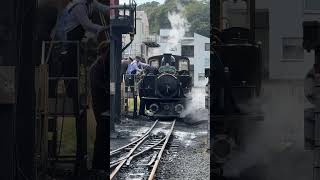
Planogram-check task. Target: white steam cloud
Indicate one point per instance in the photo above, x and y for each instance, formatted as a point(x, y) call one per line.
point(179, 26)
point(195, 110)
point(274, 147)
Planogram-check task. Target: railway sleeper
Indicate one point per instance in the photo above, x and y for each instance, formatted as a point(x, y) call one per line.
point(137, 175)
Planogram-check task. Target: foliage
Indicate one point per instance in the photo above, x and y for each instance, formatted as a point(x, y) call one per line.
point(197, 13)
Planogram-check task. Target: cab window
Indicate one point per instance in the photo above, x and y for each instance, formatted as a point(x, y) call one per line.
point(183, 65)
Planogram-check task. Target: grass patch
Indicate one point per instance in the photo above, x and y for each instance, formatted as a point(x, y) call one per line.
point(131, 104)
point(69, 141)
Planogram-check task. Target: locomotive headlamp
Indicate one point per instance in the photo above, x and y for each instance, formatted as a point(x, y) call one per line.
point(154, 108)
point(179, 108)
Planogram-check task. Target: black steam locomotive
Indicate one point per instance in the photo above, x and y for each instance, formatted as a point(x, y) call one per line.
point(165, 85)
point(235, 82)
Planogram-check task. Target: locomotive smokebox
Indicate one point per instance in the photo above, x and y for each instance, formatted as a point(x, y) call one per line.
point(167, 86)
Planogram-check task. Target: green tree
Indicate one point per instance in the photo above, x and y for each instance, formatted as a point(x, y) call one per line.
point(197, 13)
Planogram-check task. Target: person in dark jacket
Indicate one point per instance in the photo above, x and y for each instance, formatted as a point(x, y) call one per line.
point(73, 21)
point(99, 80)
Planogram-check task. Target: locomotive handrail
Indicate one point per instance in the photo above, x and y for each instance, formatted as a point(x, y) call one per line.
point(128, 76)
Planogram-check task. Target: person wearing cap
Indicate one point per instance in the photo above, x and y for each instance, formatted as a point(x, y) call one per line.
point(100, 92)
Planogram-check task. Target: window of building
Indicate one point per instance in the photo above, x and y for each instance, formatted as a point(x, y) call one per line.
point(183, 65)
point(142, 28)
point(292, 49)
point(187, 51)
point(201, 77)
point(142, 49)
point(312, 4)
point(207, 47)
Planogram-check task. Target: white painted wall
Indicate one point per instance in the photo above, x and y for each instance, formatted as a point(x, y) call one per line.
point(142, 32)
point(286, 18)
point(201, 59)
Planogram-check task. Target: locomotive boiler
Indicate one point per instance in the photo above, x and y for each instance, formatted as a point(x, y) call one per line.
point(165, 86)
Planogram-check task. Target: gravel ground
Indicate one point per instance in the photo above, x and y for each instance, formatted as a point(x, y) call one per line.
point(190, 161)
point(127, 131)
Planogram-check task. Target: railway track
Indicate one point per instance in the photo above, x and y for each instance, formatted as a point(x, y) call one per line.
point(140, 158)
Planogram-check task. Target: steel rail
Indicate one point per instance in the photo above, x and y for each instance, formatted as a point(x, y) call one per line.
point(114, 172)
point(125, 146)
point(119, 163)
point(114, 164)
point(141, 152)
point(129, 159)
point(156, 164)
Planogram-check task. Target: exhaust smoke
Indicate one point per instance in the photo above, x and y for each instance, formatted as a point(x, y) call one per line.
point(179, 26)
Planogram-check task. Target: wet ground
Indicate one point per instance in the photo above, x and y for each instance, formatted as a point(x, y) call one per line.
point(187, 156)
point(191, 160)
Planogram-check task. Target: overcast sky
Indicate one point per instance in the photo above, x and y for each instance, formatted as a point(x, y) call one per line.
point(141, 1)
